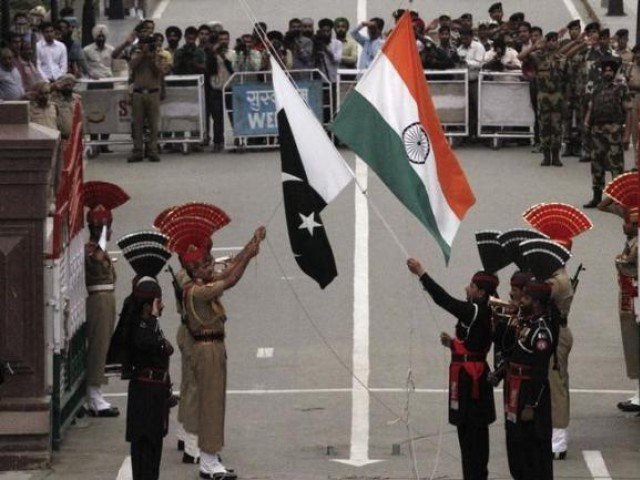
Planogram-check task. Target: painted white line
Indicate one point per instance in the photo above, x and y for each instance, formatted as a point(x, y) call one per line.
point(596, 465)
point(359, 451)
point(125, 472)
point(573, 11)
point(264, 353)
point(302, 391)
point(157, 14)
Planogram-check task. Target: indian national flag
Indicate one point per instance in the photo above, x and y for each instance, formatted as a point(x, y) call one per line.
point(389, 120)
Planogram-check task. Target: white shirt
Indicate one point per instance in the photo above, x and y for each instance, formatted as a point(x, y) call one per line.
point(473, 56)
point(99, 62)
point(52, 59)
point(509, 59)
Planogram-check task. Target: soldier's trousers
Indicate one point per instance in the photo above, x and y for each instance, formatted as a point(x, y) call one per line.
point(559, 380)
point(573, 120)
point(474, 447)
point(101, 319)
point(550, 120)
point(607, 153)
point(146, 454)
point(529, 454)
point(630, 331)
point(145, 106)
point(188, 408)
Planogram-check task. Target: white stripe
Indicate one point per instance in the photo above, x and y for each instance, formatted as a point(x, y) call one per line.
point(264, 352)
point(157, 14)
point(596, 465)
point(573, 11)
point(397, 106)
point(125, 472)
point(302, 391)
point(326, 170)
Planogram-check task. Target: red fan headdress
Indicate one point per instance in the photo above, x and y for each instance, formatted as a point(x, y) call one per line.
point(210, 213)
point(625, 190)
point(560, 221)
point(101, 198)
point(162, 217)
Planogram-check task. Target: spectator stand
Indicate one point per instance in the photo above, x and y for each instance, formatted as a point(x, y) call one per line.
point(449, 90)
point(65, 290)
point(107, 119)
point(504, 107)
point(249, 104)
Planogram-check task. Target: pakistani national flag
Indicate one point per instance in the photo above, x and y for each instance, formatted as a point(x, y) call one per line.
point(390, 121)
point(313, 174)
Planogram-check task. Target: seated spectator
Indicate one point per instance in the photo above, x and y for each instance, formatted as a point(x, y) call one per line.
point(15, 43)
point(349, 46)
point(372, 44)
point(27, 68)
point(99, 54)
point(11, 87)
point(41, 110)
point(52, 54)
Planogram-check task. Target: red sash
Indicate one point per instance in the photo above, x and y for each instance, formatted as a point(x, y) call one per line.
point(473, 364)
point(516, 373)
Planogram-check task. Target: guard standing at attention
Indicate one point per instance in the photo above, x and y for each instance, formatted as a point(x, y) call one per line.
point(206, 323)
point(100, 276)
point(149, 395)
point(471, 404)
point(528, 408)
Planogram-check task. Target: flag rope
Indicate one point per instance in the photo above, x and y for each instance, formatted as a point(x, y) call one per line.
point(410, 387)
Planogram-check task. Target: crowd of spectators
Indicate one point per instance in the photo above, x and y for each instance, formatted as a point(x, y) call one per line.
point(38, 51)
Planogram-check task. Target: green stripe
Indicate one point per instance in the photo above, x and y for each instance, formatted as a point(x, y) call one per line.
point(360, 125)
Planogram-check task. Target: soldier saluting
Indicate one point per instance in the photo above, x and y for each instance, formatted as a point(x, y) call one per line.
point(471, 404)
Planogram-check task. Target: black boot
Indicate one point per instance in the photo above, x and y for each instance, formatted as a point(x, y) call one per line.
point(555, 157)
point(597, 198)
point(547, 158)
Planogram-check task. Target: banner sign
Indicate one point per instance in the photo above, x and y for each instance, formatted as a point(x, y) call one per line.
point(254, 108)
point(505, 104)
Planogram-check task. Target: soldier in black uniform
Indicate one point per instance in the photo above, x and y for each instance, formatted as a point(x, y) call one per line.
point(528, 406)
point(148, 352)
point(471, 405)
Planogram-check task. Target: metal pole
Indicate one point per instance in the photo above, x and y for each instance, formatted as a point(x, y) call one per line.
point(616, 8)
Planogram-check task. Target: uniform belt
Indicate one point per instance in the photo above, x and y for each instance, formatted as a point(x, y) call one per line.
point(519, 370)
point(468, 357)
point(146, 90)
point(101, 288)
point(208, 337)
point(152, 375)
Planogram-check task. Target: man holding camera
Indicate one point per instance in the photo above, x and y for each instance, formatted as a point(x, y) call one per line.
point(327, 50)
point(219, 64)
point(147, 84)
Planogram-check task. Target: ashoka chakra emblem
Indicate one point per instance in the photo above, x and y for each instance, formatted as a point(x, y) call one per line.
point(416, 143)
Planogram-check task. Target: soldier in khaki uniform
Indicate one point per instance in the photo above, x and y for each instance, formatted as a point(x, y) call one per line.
point(100, 276)
point(622, 197)
point(561, 222)
point(608, 122)
point(147, 84)
point(206, 319)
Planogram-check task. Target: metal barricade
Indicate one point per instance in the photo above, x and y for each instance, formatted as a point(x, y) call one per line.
point(107, 118)
point(449, 90)
point(249, 104)
point(504, 106)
